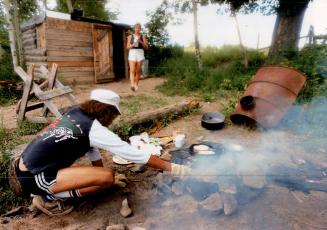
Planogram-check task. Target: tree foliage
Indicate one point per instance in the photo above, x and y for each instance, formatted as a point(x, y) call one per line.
point(27, 8)
point(156, 27)
point(91, 9)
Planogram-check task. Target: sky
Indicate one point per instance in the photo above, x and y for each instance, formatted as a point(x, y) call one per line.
point(218, 30)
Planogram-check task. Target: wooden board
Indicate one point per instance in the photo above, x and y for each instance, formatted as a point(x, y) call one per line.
point(80, 79)
point(103, 54)
point(36, 52)
point(74, 59)
point(125, 55)
point(41, 35)
point(68, 25)
point(28, 85)
point(68, 35)
point(76, 74)
point(76, 69)
point(70, 53)
point(35, 58)
point(72, 63)
point(54, 93)
point(71, 48)
point(36, 63)
point(56, 42)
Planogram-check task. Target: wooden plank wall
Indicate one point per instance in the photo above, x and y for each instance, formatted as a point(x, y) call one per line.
point(70, 45)
point(34, 53)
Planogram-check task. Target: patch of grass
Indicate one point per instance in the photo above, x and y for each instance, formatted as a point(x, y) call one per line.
point(9, 97)
point(8, 139)
point(28, 128)
point(135, 104)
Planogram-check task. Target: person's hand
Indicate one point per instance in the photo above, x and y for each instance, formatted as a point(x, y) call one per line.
point(180, 170)
point(120, 180)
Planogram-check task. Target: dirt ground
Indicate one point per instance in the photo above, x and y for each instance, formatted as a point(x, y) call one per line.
point(276, 207)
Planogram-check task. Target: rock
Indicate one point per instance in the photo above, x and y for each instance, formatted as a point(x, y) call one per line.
point(116, 227)
point(227, 185)
point(230, 203)
point(256, 182)
point(177, 188)
point(212, 206)
point(253, 177)
point(125, 210)
point(200, 190)
point(247, 194)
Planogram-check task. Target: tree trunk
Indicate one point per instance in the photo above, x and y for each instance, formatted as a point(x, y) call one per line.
point(11, 32)
point(154, 115)
point(18, 33)
point(70, 6)
point(287, 29)
point(196, 39)
point(246, 62)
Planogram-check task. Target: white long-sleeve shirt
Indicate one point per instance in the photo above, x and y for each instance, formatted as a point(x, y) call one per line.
point(102, 137)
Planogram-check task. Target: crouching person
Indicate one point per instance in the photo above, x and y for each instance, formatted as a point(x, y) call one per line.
point(45, 167)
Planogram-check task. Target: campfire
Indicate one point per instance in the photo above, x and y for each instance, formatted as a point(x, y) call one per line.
point(221, 182)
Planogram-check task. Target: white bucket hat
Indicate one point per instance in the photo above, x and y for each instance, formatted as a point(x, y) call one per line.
point(106, 96)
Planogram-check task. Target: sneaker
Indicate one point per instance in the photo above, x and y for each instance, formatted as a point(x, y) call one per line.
point(136, 87)
point(132, 88)
point(52, 208)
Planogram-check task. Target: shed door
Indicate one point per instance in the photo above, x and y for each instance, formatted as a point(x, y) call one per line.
point(103, 53)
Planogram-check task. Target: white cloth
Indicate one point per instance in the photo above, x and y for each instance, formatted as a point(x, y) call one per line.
point(102, 137)
point(136, 55)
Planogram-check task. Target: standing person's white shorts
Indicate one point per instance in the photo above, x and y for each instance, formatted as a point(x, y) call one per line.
point(136, 55)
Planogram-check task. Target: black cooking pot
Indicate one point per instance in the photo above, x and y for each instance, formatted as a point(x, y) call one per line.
point(213, 120)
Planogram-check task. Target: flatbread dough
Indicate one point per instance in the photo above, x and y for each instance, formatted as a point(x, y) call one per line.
point(201, 148)
point(206, 152)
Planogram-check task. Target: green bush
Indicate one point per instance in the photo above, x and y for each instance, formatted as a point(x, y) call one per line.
point(7, 96)
point(157, 55)
point(6, 66)
point(311, 60)
point(222, 70)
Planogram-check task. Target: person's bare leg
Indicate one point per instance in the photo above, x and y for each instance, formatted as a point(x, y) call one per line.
point(138, 72)
point(132, 67)
point(87, 179)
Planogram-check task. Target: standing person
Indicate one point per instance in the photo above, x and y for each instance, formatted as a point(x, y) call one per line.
point(45, 167)
point(136, 43)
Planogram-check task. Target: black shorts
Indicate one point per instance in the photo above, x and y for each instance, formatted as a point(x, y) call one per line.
point(38, 184)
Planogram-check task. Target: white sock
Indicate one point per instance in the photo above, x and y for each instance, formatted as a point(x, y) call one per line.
point(72, 193)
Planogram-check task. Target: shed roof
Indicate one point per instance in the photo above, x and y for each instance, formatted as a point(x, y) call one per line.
point(36, 20)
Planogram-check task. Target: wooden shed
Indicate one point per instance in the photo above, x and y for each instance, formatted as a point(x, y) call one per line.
point(86, 50)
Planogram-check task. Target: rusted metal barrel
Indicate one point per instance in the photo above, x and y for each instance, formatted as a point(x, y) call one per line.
point(268, 97)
